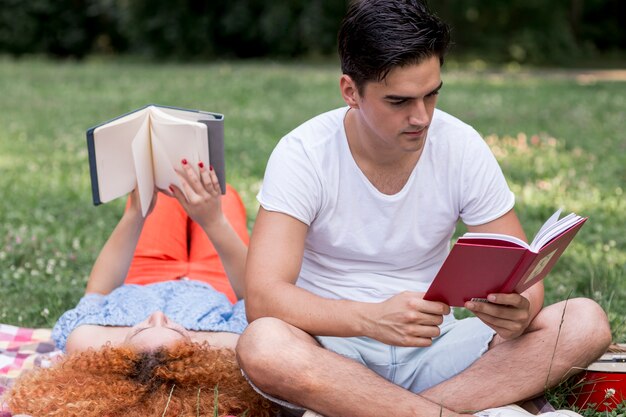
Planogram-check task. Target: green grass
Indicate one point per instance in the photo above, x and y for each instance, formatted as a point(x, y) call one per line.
point(50, 231)
point(560, 142)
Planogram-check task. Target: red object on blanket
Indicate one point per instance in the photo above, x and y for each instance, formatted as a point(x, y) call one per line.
point(602, 384)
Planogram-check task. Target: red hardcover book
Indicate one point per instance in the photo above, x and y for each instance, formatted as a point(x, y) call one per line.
point(480, 264)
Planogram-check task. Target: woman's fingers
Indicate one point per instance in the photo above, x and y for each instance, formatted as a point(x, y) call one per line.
point(178, 193)
point(199, 193)
point(202, 180)
point(191, 177)
point(210, 180)
point(205, 177)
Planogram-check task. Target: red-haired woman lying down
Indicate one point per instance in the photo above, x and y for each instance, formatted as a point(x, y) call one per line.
point(155, 332)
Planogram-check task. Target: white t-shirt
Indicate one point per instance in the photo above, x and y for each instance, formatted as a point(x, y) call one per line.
point(367, 246)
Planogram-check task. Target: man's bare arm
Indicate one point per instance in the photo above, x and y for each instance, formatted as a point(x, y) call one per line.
point(273, 265)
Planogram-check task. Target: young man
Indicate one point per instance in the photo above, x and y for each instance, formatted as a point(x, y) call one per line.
point(357, 210)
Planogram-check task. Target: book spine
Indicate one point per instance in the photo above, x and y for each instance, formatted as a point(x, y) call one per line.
point(93, 172)
point(215, 130)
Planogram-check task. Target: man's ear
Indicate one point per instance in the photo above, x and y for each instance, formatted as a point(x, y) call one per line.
point(349, 91)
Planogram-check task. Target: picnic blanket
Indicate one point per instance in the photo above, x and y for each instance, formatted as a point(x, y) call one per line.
point(21, 349)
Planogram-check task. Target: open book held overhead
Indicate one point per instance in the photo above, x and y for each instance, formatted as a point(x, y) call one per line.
point(143, 149)
point(480, 264)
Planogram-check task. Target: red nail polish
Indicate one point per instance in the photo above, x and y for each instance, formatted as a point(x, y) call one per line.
point(200, 164)
point(172, 189)
point(184, 161)
point(211, 167)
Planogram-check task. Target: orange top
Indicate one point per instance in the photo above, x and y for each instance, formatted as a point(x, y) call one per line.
point(173, 246)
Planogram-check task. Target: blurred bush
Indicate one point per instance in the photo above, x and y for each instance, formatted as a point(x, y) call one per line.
point(535, 31)
point(522, 31)
point(232, 28)
point(61, 28)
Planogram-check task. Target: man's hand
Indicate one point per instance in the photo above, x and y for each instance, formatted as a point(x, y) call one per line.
point(406, 319)
point(508, 314)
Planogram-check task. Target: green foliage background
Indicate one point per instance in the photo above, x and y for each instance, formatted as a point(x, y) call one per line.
point(523, 31)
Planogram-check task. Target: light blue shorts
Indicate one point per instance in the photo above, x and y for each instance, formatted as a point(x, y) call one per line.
point(460, 344)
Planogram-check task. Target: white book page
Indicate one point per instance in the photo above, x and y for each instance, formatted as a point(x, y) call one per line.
point(554, 230)
point(163, 169)
point(115, 166)
point(498, 236)
point(185, 141)
point(549, 230)
point(162, 118)
point(171, 143)
point(552, 220)
point(142, 155)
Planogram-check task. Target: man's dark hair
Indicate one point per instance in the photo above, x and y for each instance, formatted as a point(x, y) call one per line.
point(377, 36)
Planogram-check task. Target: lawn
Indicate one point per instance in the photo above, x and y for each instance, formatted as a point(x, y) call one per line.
point(559, 139)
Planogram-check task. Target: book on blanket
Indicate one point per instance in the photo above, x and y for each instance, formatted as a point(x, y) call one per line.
point(480, 264)
point(142, 149)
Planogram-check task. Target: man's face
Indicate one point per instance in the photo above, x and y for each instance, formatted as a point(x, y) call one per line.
point(395, 113)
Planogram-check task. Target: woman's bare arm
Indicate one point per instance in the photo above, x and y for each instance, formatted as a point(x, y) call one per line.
point(203, 205)
point(110, 269)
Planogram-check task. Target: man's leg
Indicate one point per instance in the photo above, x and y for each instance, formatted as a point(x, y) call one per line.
point(519, 369)
point(288, 363)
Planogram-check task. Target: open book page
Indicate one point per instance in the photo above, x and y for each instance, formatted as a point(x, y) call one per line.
point(553, 230)
point(552, 220)
point(167, 116)
point(115, 165)
point(213, 142)
point(173, 141)
point(142, 155)
point(496, 236)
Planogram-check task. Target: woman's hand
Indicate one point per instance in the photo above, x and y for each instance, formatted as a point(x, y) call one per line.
point(134, 208)
point(201, 195)
point(202, 200)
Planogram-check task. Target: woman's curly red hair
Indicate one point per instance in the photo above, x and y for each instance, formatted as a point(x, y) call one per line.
point(119, 381)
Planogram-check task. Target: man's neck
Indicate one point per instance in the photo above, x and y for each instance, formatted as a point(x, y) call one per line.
point(387, 169)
